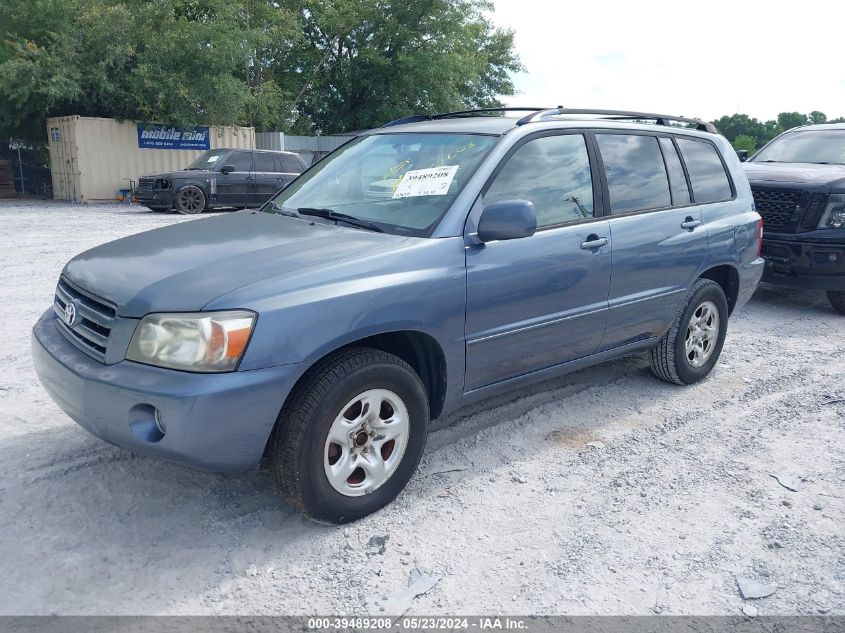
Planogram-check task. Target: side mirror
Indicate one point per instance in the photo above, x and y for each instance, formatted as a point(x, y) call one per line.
point(227, 169)
point(507, 220)
point(742, 154)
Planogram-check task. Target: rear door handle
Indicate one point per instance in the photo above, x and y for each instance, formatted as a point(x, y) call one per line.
point(690, 223)
point(594, 241)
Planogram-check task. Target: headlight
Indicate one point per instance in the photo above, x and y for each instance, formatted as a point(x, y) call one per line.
point(834, 214)
point(199, 341)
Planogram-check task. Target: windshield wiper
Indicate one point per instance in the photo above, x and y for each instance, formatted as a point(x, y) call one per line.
point(275, 208)
point(328, 214)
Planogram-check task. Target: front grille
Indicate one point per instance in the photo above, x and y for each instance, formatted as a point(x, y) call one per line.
point(146, 184)
point(776, 206)
point(92, 327)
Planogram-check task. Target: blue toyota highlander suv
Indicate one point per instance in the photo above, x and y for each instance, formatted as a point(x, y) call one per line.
point(422, 266)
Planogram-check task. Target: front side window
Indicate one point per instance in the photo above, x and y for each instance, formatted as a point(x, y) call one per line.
point(241, 161)
point(706, 172)
point(553, 173)
point(208, 161)
point(289, 164)
point(636, 175)
point(402, 182)
point(805, 146)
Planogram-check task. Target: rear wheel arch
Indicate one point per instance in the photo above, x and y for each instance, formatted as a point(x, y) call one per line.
point(727, 277)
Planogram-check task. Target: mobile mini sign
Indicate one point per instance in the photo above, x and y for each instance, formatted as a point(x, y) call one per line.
point(157, 136)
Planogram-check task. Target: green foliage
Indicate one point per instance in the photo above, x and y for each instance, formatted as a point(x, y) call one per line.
point(310, 65)
point(743, 141)
point(817, 117)
point(789, 120)
point(741, 126)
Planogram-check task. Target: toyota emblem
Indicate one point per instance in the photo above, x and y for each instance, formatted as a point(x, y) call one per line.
point(70, 315)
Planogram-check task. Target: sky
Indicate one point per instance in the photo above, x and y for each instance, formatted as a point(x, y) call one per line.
point(698, 59)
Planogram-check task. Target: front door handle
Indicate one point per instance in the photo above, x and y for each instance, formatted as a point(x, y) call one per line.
point(690, 223)
point(594, 241)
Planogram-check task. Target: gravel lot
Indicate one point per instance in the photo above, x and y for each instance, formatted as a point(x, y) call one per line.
point(678, 503)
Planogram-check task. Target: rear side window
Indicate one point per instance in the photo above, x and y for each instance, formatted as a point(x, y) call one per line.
point(264, 162)
point(677, 179)
point(241, 161)
point(706, 172)
point(636, 176)
point(552, 172)
point(289, 164)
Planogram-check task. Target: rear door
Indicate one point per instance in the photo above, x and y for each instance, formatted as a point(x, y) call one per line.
point(659, 240)
point(237, 187)
point(268, 180)
point(539, 301)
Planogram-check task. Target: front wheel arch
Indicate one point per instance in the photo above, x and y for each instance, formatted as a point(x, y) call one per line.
point(193, 185)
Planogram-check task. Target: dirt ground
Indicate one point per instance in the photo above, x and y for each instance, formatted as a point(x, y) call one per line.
point(663, 516)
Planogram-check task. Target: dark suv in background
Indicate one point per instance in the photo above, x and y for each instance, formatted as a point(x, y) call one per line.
point(798, 182)
point(220, 178)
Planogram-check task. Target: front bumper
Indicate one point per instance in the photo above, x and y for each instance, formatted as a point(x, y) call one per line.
point(218, 422)
point(814, 265)
point(155, 199)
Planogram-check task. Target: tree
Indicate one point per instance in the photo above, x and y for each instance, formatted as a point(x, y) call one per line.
point(817, 117)
point(789, 120)
point(363, 63)
point(743, 141)
point(315, 65)
point(737, 125)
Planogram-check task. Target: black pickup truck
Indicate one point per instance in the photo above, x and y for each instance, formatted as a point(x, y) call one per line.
point(220, 178)
point(798, 181)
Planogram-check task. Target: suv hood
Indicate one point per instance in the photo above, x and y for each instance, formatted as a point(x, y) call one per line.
point(802, 173)
point(181, 268)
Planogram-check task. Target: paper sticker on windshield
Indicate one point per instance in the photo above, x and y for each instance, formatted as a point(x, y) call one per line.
point(212, 159)
point(434, 181)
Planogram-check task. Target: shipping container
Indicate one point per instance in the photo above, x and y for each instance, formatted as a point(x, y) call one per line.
point(93, 159)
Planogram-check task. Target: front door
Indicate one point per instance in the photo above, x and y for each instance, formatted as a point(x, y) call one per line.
point(237, 187)
point(539, 301)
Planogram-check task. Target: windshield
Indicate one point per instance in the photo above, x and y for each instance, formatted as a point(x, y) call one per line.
point(208, 161)
point(807, 146)
point(403, 183)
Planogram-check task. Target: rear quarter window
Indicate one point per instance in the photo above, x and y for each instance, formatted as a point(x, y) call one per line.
point(706, 171)
point(290, 165)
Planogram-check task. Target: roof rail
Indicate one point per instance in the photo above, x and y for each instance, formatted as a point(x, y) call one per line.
point(660, 119)
point(415, 118)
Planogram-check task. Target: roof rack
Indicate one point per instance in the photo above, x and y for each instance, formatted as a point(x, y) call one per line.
point(622, 115)
point(415, 118)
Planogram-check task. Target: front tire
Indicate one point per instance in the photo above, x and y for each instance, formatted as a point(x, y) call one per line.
point(190, 200)
point(691, 347)
point(837, 300)
point(351, 435)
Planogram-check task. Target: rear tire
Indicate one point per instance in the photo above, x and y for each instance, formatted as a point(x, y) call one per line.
point(691, 347)
point(837, 300)
point(190, 200)
point(351, 435)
